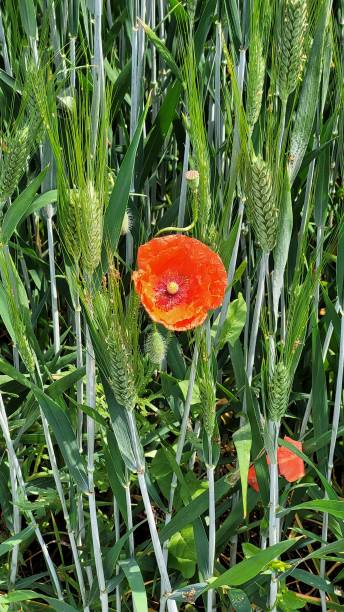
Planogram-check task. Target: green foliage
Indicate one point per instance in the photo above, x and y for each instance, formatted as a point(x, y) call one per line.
point(114, 127)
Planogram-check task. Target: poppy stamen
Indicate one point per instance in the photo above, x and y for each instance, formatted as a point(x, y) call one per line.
point(172, 287)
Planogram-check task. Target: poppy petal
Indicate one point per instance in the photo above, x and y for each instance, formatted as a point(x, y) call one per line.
point(290, 465)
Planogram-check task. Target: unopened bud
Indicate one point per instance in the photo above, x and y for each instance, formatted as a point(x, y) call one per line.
point(155, 348)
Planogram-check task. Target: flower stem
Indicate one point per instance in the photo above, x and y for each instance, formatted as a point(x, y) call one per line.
point(212, 525)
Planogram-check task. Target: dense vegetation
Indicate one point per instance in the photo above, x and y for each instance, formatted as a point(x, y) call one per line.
point(167, 444)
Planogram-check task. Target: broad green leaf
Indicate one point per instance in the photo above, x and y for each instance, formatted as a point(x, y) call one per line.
point(281, 249)
point(135, 580)
point(184, 385)
point(13, 541)
point(288, 601)
point(21, 207)
point(249, 568)
point(242, 439)
point(330, 506)
point(120, 194)
point(234, 323)
point(182, 552)
point(239, 600)
point(312, 580)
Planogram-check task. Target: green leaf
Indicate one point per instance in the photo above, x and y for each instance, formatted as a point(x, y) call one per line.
point(312, 580)
point(158, 134)
point(281, 249)
point(249, 568)
point(182, 552)
point(65, 437)
point(135, 580)
point(26, 595)
point(161, 48)
point(28, 17)
point(288, 600)
point(115, 211)
point(242, 439)
point(16, 596)
point(21, 206)
point(329, 506)
point(234, 323)
point(18, 538)
point(239, 600)
point(184, 385)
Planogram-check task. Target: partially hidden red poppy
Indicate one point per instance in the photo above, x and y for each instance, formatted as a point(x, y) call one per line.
point(179, 279)
point(289, 465)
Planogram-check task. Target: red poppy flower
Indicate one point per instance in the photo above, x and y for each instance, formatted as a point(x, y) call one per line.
point(290, 465)
point(179, 280)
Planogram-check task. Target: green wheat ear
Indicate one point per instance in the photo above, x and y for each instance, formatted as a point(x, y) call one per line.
point(291, 33)
point(279, 391)
point(90, 227)
point(14, 162)
point(262, 210)
point(207, 389)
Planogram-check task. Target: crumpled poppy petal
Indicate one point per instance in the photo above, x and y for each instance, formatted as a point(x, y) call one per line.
point(195, 273)
point(252, 478)
point(290, 465)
